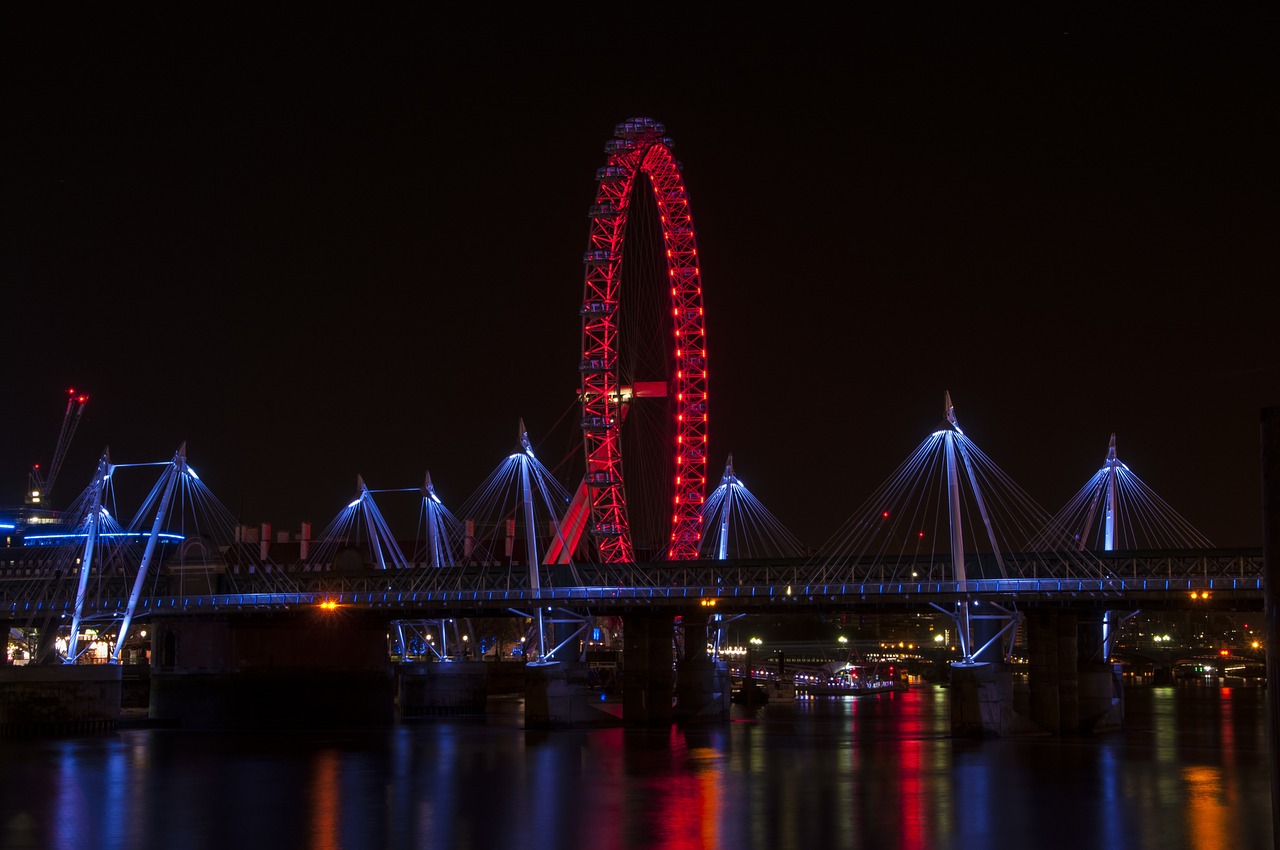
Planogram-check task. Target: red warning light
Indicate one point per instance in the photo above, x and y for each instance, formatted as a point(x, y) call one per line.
point(921, 534)
point(885, 515)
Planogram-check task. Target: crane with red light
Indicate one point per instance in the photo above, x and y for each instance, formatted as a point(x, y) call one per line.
point(40, 484)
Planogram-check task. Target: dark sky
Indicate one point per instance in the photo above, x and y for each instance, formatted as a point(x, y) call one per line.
point(317, 247)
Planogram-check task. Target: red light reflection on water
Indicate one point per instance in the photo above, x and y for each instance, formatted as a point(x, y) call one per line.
point(688, 804)
point(911, 795)
point(681, 784)
point(905, 764)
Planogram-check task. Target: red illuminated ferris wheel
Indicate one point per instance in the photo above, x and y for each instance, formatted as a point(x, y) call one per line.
point(642, 172)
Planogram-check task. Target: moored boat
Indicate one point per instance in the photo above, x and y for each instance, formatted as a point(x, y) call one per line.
point(849, 681)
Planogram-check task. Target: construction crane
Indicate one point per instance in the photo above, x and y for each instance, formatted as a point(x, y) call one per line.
point(40, 484)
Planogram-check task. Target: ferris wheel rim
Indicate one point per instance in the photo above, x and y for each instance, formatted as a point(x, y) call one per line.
point(639, 147)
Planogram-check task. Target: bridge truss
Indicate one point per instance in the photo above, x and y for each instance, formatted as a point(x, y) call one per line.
point(1137, 579)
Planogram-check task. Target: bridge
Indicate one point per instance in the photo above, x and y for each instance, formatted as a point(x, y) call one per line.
point(948, 530)
point(1150, 579)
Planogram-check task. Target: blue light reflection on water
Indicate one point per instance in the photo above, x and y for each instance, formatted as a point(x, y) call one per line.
point(1189, 770)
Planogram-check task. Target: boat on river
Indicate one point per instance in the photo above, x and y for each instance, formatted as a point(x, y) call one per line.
point(849, 681)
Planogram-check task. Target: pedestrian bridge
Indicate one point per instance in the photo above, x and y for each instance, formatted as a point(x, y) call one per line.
point(1137, 579)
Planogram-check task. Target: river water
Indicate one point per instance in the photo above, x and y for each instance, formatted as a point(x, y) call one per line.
point(1189, 771)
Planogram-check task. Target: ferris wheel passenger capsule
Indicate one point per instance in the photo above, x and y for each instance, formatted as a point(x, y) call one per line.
point(634, 128)
point(610, 173)
point(600, 256)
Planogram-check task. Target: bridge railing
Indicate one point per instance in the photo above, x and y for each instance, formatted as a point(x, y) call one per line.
point(28, 592)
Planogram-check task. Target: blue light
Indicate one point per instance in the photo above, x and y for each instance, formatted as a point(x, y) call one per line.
point(46, 539)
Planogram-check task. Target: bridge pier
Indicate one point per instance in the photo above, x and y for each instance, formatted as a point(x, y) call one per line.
point(1101, 684)
point(982, 691)
point(981, 700)
point(441, 689)
point(1073, 687)
point(58, 699)
point(1051, 672)
point(559, 695)
point(268, 670)
point(703, 691)
point(54, 698)
point(648, 674)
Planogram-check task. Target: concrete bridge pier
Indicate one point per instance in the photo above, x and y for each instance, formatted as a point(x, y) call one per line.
point(55, 698)
point(982, 690)
point(1051, 674)
point(441, 689)
point(981, 700)
point(703, 690)
point(648, 672)
point(1101, 683)
point(559, 694)
point(1074, 687)
point(1163, 672)
point(59, 699)
point(265, 670)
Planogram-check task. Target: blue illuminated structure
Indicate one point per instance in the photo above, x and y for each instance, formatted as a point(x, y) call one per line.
point(359, 524)
point(949, 490)
point(115, 565)
point(94, 519)
point(1116, 510)
point(738, 525)
point(523, 493)
point(67, 537)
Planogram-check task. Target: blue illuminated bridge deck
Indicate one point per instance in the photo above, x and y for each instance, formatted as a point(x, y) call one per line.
point(1230, 579)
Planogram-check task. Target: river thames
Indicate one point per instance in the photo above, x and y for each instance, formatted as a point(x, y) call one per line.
point(1189, 770)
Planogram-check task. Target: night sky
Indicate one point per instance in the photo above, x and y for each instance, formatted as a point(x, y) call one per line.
point(320, 247)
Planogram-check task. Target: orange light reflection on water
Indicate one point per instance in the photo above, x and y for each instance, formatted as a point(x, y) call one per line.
point(325, 820)
point(1206, 814)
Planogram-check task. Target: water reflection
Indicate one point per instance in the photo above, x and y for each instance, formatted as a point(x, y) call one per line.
point(1189, 770)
